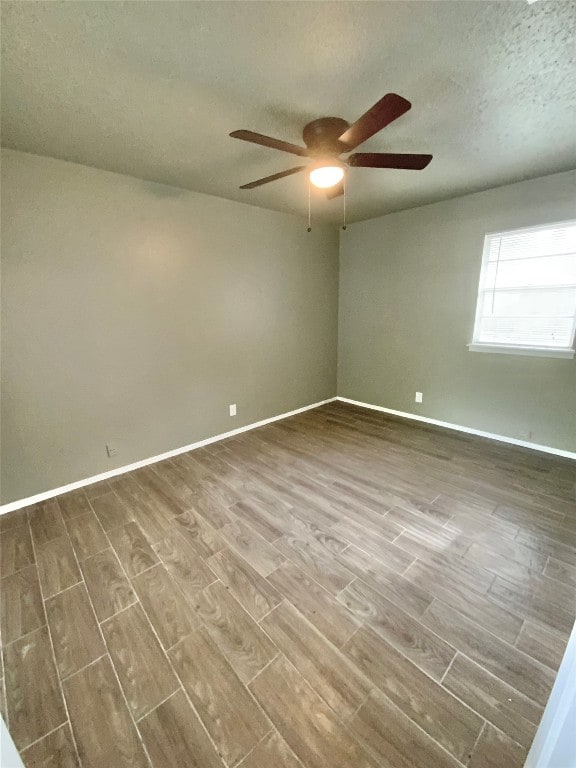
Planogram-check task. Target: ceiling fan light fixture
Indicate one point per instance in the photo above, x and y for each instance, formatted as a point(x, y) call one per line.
point(326, 138)
point(327, 174)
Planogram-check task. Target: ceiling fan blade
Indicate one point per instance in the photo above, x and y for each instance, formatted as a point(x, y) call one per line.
point(335, 191)
point(274, 176)
point(268, 141)
point(388, 160)
point(385, 111)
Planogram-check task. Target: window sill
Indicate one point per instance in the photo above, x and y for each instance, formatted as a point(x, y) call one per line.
point(505, 349)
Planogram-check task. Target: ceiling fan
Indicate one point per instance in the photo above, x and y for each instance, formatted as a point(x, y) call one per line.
point(329, 137)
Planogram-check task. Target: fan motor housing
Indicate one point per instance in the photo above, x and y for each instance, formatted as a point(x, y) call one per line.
point(322, 136)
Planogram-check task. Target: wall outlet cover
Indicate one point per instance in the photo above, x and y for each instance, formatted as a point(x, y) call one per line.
point(112, 449)
point(418, 397)
point(233, 409)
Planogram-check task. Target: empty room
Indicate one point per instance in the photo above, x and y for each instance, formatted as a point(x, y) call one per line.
point(288, 407)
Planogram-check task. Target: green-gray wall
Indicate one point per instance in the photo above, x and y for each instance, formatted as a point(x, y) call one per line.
point(136, 313)
point(408, 285)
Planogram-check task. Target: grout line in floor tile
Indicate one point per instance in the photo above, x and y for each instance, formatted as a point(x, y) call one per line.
point(93, 554)
point(49, 733)
point(519, 633)
point(268, 663)
point(354, 633)
point(118, 612)
point(51, 640)
point(435, 680)
point(105, 645)
point(169, 661)
point(145, 570)
point(441, 681)
point(473, 748)
point(65, 678)
point(66, 589)
point(350, 583)
point(18, 570)
point(420, 729)
point(27, 634)
point(239, 762)
point(267, 612)
point(159, 704)
point(357, 709)
point(405, 571)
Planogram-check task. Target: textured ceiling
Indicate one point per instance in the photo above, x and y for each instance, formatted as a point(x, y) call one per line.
point(152, 89)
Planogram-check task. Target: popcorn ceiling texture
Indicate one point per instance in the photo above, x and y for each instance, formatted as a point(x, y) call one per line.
point(153, 89)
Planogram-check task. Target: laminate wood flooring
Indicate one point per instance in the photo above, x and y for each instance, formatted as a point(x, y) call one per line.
point(341, 589)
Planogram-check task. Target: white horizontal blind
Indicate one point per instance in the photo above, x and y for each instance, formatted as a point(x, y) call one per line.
point(527, 294)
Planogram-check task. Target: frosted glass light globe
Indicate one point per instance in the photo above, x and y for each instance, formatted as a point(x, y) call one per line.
point(326, 176)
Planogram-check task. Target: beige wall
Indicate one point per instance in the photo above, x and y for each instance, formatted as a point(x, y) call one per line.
point(136, 313)
point(408, 286)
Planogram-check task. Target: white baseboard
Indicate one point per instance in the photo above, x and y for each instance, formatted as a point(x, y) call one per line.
point(459, 428)
point(13, 505)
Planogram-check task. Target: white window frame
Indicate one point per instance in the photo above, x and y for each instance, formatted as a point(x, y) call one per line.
point(515, 349)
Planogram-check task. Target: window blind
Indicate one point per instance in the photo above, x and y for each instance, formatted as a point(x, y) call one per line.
point(527, 293)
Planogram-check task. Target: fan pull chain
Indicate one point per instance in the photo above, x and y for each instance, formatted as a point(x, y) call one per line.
point(309, 225)
point(344, 201)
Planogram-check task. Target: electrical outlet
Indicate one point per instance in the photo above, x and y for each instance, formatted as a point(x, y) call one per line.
point(111, 449)
point(418, 397)
point(233, 409)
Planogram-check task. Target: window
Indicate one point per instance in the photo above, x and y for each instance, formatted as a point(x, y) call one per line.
point(527, 294)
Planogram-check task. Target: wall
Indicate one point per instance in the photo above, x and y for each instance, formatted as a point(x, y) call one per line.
point(135, 313)
point(408, 286)
point(554, 745)
point(9, 757)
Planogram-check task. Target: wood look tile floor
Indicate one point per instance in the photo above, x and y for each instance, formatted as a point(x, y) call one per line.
point(341, 589)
